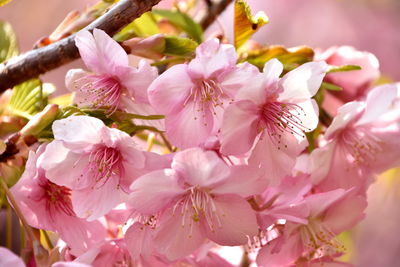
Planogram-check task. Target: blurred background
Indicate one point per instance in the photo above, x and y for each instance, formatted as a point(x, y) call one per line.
point(370, 25)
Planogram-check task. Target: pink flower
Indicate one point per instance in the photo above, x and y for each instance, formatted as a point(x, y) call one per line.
point(278, 111)
point(96, 162)
point(361, 141)
point(193, 96)
point(330, 213)
point(112, 83)
point(48, 206)
point(7, 258)
point(354, 83)
point(199, 197)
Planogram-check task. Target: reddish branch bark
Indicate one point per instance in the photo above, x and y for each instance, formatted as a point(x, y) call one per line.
point(39, 61)
point(214, 9)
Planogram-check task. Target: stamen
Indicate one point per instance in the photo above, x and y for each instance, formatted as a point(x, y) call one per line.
point(361, 145)
point(104, 162)
point(101, 90)
point(279, 118)
point(57, 198)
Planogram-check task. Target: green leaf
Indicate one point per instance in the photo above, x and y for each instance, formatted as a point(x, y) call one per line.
point(144, 26)
point(4, 2)
point(343, 68)
point(245, 24)
point(29, 98)
point(179, 46)
point(331, 86)
point(290, 57)
point(8, 42)
point(182, 21)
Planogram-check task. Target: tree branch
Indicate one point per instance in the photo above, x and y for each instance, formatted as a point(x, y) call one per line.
point(213, 12)
point(39, 61)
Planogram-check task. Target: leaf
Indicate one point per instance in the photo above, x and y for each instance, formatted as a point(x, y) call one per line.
point(179, 46)
point(29, 98)
point(182, 21)
point(290, 57)
point(8, 42)
point(331, 86)
point(144, 26)
point(343, 68)
point(245, 25)
point(62, 100)
point(4, 2)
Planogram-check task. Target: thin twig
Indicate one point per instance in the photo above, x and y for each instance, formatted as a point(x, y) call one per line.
point(39, 61)
point(214, 10)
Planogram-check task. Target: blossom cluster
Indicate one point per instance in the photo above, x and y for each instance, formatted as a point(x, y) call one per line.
point(251, 164)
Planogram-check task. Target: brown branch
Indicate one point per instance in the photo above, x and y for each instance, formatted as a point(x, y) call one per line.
point(214, 10)
point(39, 61)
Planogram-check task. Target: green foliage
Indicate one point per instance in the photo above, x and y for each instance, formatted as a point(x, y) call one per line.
point(183, 22)
point(144, 26)
point(343, 68)
point(245, 24)
point(29, 98)
point(290, 57)
point(179, 46)
point(331, 86)
point(8, 41)
point(4, 2)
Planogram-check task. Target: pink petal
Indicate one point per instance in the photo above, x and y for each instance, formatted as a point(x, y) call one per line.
point(238, 78)
point(72, 76)
point(64, 167)
point(138, 239)
point(244, 181)
point(8, 258)
point(100, 52)
point(303, 82)
point(154, 191)
point(278, 158)
point(211, 59)
point(378, 102)
point(167, 95)
point(82, 131)
point(344, 214)
point(288, 253)
point(271, 72)
point(190, 127)
point(310, 109)
point(92, 203)
point(318, 203)
point(239, 128)
point(70, 264)
point(137, 81)
point(236, 221)
point(198, 167)
point(346, 114)
point(177, 237)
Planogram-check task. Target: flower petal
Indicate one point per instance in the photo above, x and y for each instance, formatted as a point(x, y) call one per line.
point(236, 221)
point(239, 128)
point(198, 167)
point(177, 237)
point(303, 82)
point(100, 52)
point(154, 191)
point(212, 58)
point(167, 95)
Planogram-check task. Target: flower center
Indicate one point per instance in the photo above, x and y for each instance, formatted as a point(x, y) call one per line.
point(278, 118)
point(198, 204)
point(105, 162)
point(101, 91)
point(361, 145)
point(56, 197)
point(319, 239)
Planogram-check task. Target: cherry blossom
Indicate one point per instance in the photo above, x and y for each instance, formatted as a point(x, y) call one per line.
point(199, 197)
point(274, 113)
point(194, 95)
